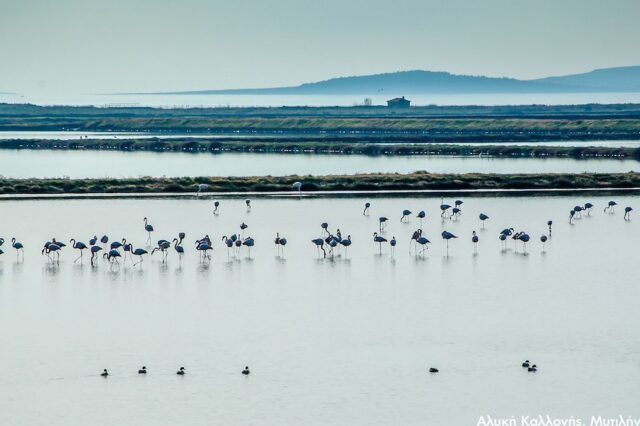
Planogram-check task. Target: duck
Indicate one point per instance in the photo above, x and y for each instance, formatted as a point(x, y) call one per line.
point(143, 370)
point(104, 373)
point(533, 368)
point(181, 372)
point(246, 371)
point(433, 370)
point(525, 364)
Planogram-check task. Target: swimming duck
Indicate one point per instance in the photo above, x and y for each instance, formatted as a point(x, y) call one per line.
point(433, 370)
point(533, 368)
point(525, 364)
point(181, 372)
point(143, 370)
point(246, 371)
point(104, 373)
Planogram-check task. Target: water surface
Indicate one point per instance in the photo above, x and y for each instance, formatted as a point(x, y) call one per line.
point(118, 164)
point(335, 341)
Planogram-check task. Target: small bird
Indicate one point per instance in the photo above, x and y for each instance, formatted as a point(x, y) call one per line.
point(246, 371)
point(181, 372)
point(143, 370)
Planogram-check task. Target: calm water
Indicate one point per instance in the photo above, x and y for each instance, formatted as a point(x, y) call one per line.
point(177, 101)
point(335, 341)
point(68, 135)
point(97, 164)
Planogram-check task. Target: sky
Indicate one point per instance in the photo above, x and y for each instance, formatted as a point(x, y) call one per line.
point(89, 46)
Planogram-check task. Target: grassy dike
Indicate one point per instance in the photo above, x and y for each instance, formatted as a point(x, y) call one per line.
point(361, 182)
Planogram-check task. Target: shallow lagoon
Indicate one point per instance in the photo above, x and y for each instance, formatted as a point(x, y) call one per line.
point(119, 164)
point(338, 341)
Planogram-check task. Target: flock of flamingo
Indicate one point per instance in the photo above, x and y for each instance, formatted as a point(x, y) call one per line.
point(326, 243)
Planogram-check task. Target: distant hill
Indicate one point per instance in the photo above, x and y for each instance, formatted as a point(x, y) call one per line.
point(621, 79)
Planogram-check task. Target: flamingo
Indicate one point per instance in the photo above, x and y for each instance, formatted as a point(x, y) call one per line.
point(104, 240)
point(392, 244)
point(52, 248)
point(138, 252)
point(203, 247)
point(319, 242)
point(483, 217)
point(524, 237)
point(365, 212)
point(474, 240)
point(379, 239)
point(414, 237)
point(578, 210)
point(503, 240)
point(216, 205)
point(443, 208)
point(325, 228)
point(94, 250)
point(201, 188)
point(587, 207)
point(543, 240)
point(78, 245)
point(127, 249)
point(112, 256)
point(423, 241)
point(93, 241)
point(332, 242)
point(280, 243)
point(572, 214)
point(611, 206)
point(297, 186)
point(405, 215)
point(243, 226)
point(446, 235)
point(248, 203)
point(229, 243)
point(549, 223)
point(455, 212)
point(18, 246)
point(149, 228)
point(249, 242)
point(382, 221)
point(421, 215)
point(178, 247)
point(627, 213)
point(346, 243)
point(163, 245)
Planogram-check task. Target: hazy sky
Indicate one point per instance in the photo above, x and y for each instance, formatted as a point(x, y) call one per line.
point(87, 46)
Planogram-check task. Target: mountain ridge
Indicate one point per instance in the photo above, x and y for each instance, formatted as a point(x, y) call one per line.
point(616, 79)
